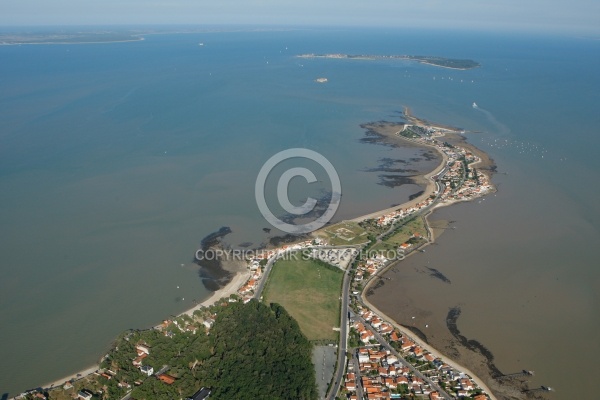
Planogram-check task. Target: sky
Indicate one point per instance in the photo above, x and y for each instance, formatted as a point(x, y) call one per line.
point(576, 16)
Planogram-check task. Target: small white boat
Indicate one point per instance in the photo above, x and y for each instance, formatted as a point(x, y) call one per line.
point(474, 105)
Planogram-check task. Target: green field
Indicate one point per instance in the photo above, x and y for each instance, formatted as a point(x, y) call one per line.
point(402, 234)
point(310, 292)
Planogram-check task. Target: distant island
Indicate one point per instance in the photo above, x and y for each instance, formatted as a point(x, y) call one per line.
point(68, 38)
point(452, 63)
point(82, 36)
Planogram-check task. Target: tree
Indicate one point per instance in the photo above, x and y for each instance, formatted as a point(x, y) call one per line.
point(260, 352)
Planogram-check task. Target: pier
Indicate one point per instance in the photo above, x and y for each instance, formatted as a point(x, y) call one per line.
point(540, 389)
point(523, 374)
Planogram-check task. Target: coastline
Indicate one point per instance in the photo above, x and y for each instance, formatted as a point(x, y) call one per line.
point(454, 136)
point(430, 185)
point(239, 277)
point(236, 282)
point(405, 332)
point(91, 42)
point(485, 378)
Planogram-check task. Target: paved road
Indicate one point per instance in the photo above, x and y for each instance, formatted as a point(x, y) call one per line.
point(261, 284)
point(359, 389)
point(343, 347)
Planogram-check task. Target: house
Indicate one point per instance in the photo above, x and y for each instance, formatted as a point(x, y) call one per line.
point(68, 385)
point(385, 328)
point(201, 394)
point(404, 246)
point(376, 322)
point(84, 395)
point(137, 362)
point(351, 386)
point(142, 349)
point(435, 396)
point(406, 344)
point(466, 384)
point(146, 369)
point(366, 336)
point(208, 323)
point(391, 359)
point(363, 356)
point(391, 368)
point(390, 382)
point(402, 380)
point(418, 351)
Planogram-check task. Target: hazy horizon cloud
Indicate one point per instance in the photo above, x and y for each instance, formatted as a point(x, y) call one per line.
point(543, 15)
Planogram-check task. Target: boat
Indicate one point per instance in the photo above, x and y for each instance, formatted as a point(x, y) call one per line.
point(474, 105)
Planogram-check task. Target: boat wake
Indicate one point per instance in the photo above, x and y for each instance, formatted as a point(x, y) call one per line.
point(500, 127)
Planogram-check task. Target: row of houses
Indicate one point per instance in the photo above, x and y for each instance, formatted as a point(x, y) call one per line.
point(381, 375)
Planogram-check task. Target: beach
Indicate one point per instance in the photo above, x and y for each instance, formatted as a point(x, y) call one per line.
point(230, 288)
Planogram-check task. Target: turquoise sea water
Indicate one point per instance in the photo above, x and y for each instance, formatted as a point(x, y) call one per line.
point(116, 159)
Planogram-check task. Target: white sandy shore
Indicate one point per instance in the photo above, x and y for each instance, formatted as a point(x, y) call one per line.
point(75, 376)
point(232, 287)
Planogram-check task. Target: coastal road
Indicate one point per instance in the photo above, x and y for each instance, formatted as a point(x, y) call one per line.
point(343, 346)
point(356, 365)
point(261, 284)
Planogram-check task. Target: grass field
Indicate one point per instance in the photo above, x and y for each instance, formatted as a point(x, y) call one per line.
point(310, 292)
point(402, 234)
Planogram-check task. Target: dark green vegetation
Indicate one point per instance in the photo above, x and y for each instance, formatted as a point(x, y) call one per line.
point(259, 352)
point(251, 351)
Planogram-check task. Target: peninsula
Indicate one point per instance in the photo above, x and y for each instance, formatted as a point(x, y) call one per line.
point(452, 63)
point(358, 351)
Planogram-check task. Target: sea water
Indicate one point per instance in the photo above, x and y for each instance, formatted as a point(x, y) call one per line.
point(116, 159)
